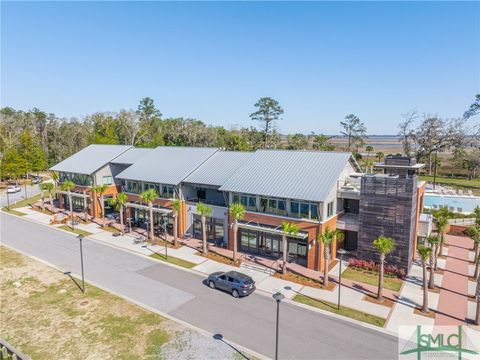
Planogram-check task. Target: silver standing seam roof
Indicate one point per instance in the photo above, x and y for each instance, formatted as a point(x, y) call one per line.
point(167, 165)
point(303, 175)
point(218, 168)
point(90, 159)
point(130, 156)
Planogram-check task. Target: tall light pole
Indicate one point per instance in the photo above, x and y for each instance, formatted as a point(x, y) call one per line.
point(165, 234)
point(278, 297)
point(80, 238)
point(8, 200)
point(341, 252)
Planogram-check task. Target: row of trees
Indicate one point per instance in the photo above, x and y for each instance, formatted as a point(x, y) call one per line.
point(30, 141)
point(428, 135)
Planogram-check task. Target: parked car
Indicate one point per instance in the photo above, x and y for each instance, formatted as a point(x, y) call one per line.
point(13, 189)
point(36, 180)
point(234, 282)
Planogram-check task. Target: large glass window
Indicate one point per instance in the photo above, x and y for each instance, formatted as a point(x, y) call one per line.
point(134, 187)
point(168, 191)
point(304, 210)
point(273, 206)
point(77, 179)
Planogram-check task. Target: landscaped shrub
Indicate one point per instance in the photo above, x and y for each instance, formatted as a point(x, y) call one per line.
point(370, 265)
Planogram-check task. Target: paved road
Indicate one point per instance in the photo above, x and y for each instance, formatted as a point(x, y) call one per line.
point(31, 191)
point(250, 321)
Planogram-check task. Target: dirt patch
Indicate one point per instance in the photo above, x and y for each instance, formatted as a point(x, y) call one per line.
point(385, 301)
point(430, 314)
point(219, 258)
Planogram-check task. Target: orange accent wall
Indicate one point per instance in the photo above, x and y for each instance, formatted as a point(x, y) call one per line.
point(420, 202)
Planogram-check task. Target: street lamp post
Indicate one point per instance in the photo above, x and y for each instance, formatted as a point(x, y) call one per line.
point(80, 238)
point(278, 297)
point(26, 189)
point(165, 235)
point(341, 252)
point(8, 200)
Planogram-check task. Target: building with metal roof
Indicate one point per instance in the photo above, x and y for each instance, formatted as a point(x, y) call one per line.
point(90, 159)
point(167, 165)
point(130, 156)
point(218, 168)
point(305, 175)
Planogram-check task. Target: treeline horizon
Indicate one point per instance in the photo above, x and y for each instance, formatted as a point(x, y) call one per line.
point(33, 140)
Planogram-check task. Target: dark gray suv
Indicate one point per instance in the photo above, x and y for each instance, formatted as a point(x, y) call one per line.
point(235, 283)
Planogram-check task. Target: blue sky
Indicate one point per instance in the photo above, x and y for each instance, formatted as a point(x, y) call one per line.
point(213, 60)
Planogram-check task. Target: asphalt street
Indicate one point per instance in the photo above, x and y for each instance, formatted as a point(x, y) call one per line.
point(32, 190)
point(249, 321)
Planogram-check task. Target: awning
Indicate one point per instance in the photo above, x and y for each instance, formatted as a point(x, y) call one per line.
point(74, 194)
point(270, 230)
point(144, 207)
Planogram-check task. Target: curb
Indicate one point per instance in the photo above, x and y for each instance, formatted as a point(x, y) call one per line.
point(204, 275)
point(146, 307)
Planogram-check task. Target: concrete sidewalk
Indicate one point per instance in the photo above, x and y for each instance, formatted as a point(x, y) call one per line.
point(353, 294)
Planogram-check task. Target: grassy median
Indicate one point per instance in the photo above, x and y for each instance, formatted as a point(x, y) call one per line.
point(75, 231)
point(371, 278)
point(21, 203)
point(173, 260)
point(345, 311)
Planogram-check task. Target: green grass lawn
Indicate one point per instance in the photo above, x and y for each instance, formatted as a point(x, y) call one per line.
point(345, 311)
point(46, 316)
point(174, 260)
point(76, 231)
point(13, 212)
point(461, 183)
point(21, 203)
point(372, 279)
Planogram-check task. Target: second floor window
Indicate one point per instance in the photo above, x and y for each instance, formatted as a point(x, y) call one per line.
point(330, 209)
point(273, 206)
point(168, 191)
point(107, 180)
point(304, 210)
point(134, 187)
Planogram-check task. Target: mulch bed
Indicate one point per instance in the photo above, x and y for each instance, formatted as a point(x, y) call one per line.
point(219, 258)
point(430, 314)
point(373, 299)
point(303, 280)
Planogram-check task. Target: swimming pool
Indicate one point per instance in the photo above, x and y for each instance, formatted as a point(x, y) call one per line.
point(465, 203)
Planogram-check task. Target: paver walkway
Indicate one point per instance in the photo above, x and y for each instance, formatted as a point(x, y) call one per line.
point(453, 301)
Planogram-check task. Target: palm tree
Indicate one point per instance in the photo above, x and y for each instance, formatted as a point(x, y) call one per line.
point(380, 155)
point(48, 187)
point(477, 215)
point(68, 186)
point(368, 165)
point(100, 191)
point(287, 229)
point(477, 315)
point(42, 192)
point(433, 241)
point(425, 254)
point(148, 196)
point(176, 206)
point(384, 246)
point(237, 211)
point(369, 149)
point(327, 237)
point(119, 202)
point(204, 211)
point(474, 232)
point(441, 222)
